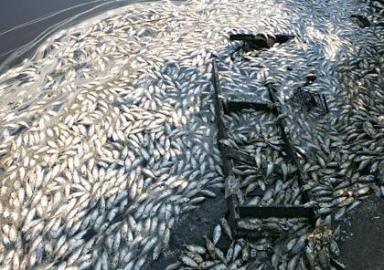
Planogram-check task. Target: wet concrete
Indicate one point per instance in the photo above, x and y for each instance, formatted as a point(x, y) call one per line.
point(363, 234)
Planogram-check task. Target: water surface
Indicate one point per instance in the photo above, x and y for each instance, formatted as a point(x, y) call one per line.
point(22, 21)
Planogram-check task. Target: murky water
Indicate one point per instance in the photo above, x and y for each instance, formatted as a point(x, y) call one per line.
point(24, 22)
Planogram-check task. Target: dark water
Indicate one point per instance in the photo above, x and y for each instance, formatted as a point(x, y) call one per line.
point(14, 13)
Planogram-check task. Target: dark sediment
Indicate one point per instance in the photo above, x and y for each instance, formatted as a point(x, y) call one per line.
point(191, 229)
point(362, 246)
